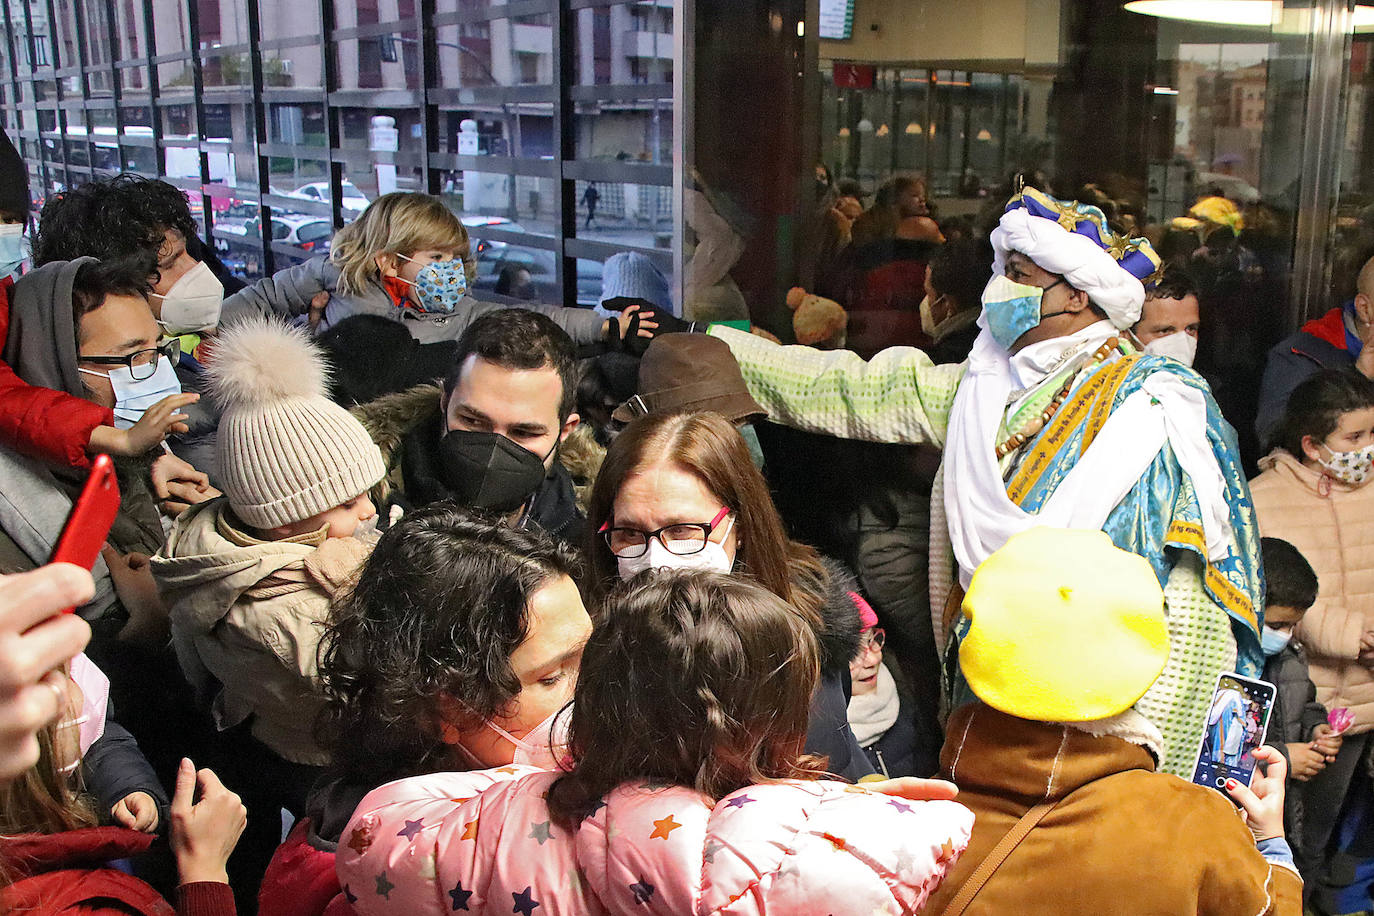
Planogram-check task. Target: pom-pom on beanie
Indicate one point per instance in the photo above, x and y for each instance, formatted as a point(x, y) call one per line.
point(286, 451)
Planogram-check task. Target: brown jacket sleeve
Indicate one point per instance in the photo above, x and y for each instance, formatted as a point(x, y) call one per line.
point(1236, 879)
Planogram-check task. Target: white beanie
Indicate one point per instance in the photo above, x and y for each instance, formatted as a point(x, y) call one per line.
point(285, 450)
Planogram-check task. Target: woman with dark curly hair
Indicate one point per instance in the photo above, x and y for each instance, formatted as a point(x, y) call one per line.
point(456, 646)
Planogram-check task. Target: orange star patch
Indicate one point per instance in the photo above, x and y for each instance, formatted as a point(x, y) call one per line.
point(511, 771)
point(835, 841)
point(360, 841)
point(946, 852)
point(469, 831)
point(664, 827)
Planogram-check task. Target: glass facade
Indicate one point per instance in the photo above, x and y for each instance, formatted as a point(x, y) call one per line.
point(294, 114)
point(564, 131)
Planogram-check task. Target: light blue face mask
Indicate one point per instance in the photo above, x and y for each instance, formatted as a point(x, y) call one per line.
point(441, 285)
point(1013, 308)
point(751, 439)
point(14, 249)
point(134, 396)
point(1272, 641)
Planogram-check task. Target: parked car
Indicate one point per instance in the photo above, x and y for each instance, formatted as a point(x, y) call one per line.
point(310, 234)
point(354, 201)
point(541, 264)
point(478, 223)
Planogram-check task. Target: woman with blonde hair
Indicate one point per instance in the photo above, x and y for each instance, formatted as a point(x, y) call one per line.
point(407, 258)
point(679, 491)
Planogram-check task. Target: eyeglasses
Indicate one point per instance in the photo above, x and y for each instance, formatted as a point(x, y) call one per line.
point(872, 638)
point(682, 539)
point(142, 363)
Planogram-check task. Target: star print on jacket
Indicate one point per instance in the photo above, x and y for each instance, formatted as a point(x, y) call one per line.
point(540, 831)
point(360, 841)
point(738, 802)
point(524, 902)
point(411, 828)
point(459, 897)
point(470, 830)
point(663, 827)
point(384, 887)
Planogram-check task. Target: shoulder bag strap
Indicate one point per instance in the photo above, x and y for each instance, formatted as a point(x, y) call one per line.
point(994, 860)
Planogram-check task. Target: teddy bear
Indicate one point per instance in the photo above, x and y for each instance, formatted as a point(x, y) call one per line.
point(817, 321)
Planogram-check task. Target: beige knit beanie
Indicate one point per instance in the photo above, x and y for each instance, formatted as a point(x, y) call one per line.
point(286, 452)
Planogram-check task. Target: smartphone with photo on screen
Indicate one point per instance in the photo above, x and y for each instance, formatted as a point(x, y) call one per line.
point(1237, 721)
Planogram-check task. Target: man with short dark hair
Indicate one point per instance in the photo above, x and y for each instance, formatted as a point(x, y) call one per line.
point(1170, 317)
point(489, 439)
point(1340, 338)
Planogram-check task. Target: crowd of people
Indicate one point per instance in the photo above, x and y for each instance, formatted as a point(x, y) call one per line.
point(494, 606)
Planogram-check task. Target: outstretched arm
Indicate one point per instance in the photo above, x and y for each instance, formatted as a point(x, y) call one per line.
point(897, 396)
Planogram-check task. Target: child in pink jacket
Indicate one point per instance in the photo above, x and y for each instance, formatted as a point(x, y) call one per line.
point(686, 790)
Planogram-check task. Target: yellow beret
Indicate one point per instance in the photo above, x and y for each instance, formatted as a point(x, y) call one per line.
point(1063, 627)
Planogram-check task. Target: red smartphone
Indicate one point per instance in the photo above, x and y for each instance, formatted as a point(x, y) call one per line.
point(89, 523)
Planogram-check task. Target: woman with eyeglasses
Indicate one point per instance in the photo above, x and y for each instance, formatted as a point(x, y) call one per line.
point(679, 491)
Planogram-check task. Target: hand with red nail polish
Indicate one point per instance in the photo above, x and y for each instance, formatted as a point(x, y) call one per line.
point(1262, 801)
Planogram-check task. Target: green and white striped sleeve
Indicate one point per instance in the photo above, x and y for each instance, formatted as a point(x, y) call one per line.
point(898, 396)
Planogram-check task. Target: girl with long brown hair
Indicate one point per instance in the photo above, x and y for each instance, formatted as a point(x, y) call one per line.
point(678, 491)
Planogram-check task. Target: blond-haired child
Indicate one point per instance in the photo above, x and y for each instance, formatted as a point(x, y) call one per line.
point(408, 258)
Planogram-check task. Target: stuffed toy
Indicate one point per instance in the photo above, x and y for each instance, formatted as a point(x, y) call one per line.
point(817, 321)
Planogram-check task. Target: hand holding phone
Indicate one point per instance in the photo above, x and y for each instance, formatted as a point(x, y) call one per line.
point(1262, 801)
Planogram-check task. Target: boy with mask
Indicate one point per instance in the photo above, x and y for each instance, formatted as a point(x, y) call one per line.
point(490, 439)
point(248, 578)
point(1169, 319)
point(1298, 726)
point(47, 423)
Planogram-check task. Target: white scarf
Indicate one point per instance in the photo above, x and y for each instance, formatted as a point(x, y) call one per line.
point(872, 714)
point(982, 517)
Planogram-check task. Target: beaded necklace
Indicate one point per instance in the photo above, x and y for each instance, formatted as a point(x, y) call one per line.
point(1038, 421)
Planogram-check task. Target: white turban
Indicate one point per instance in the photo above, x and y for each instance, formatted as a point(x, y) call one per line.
point(1077, 258)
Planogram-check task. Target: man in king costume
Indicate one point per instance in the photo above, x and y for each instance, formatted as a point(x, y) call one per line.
point(1057, 419)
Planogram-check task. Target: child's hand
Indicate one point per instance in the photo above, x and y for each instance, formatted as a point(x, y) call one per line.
point(157, 423)
point(137, 811)
point(1262, 801)
point(1326, 741)
point(204, 833)
point(1366, 654)
point(1305, 761)
point(178, 485)
point(318, 303)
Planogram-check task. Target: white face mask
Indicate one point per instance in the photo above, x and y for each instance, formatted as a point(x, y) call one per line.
point(133, 396)
point(928, 322)
point(1179, 345)
point(193, 303)
point(1349, 467)
point(711, 558)
point(546, 745)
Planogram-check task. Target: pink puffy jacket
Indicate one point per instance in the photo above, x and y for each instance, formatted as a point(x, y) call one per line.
point(482, 842)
